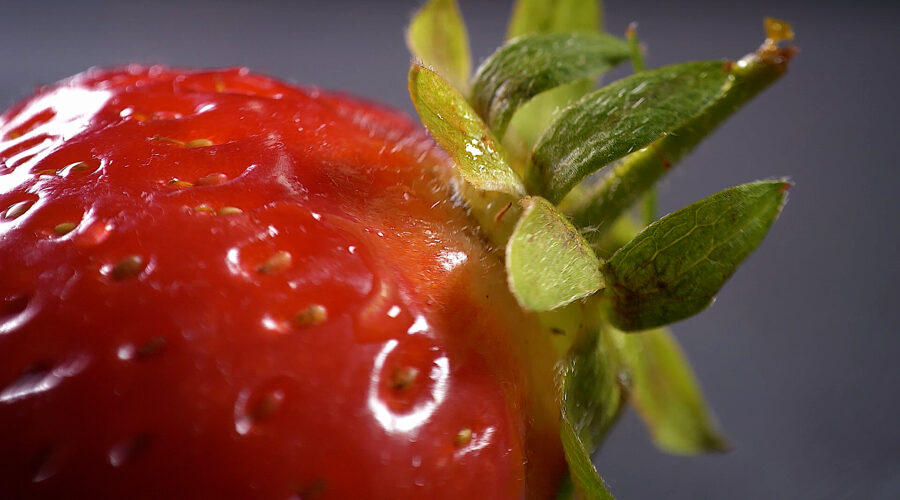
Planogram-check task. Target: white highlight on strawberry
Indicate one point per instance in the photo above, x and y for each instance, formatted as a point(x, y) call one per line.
point(408, 422)
point(30, 384)
point(74, 109)
point(450, 260)
point(420, 325)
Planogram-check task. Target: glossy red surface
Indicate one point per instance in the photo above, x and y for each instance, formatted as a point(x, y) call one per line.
point(161, 230)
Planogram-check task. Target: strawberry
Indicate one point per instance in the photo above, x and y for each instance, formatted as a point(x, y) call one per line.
point(250, 283)
point(216, 284)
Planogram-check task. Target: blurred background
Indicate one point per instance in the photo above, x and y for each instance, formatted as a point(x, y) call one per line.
point(800, 356)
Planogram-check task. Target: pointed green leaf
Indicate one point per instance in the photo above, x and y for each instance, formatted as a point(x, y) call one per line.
point(548, 262)
point(459, 131)
point(619, 119)
point(636, 174)
point(542, 16)
point(663, 390)
point(533, 64)
point(675, 266)
point(592, 401)
point(437, 37)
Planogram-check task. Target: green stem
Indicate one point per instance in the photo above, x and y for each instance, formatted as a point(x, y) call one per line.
point(595, 212)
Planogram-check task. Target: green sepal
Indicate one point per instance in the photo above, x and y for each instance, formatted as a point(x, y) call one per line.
point(675, 266)
point(530, 65)
point(619, 119)
point(541, 16)
point(548, 263)
point(664, 392)
point(458, 130)
point(592, 401)
point(437, 37)
point(623, 185)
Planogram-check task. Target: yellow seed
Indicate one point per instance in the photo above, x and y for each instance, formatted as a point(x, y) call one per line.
point(463, 437)
point(204, 208)
point(276, 263)
point(151, 348)
point(17, 209)
point(127, 267)
point(15, 134)
point(220, 85)
point(403, 377)
point(74, 167)
point(46, 172)
point(179, 183)
point(230, 211)
point(312, 315)
point(64, 228)
point(211, 179)
point(198, 143)
point(267, 405)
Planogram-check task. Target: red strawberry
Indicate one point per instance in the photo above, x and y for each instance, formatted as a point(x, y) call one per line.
point(218, 285)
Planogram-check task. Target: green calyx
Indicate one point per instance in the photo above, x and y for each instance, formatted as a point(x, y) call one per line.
point(529, 137)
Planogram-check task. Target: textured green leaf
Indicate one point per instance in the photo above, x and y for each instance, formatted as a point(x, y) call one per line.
point(533, 64)
point(548, 263)
point(663, 390)
point(542, 16)
point(636, 174)
point(619, 119)
point(592, 400)
point(437, 37)
point(459, 131)
point(675, 266)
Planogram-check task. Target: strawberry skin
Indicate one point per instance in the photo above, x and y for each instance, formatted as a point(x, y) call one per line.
point(217, 285)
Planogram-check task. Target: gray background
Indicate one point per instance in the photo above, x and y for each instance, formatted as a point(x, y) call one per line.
point(798, 356)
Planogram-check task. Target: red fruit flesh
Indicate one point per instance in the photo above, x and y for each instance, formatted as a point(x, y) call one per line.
point(216, 285)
